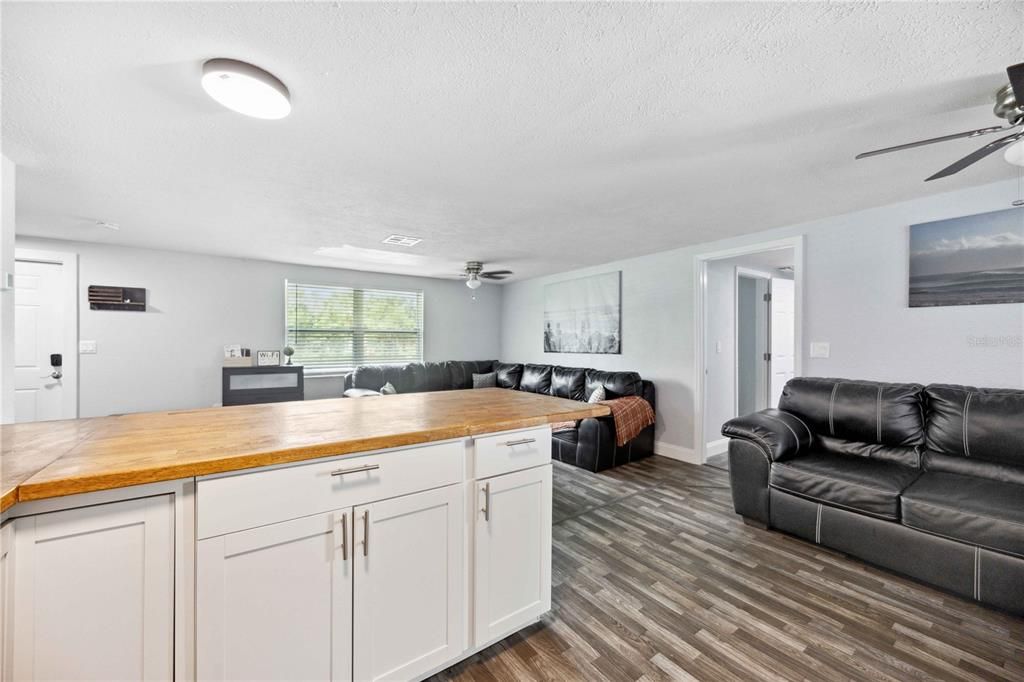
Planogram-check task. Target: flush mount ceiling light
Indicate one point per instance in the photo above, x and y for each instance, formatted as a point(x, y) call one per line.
point(246, 89)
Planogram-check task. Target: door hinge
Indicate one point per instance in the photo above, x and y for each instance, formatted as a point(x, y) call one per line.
point(767, 357)
point(767, 298)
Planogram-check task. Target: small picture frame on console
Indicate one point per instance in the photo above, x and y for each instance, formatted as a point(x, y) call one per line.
point(268, 358)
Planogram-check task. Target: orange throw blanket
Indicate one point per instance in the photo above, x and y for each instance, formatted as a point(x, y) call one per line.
point(631, 414)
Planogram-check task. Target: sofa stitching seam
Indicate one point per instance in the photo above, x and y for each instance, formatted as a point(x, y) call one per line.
point(966, 412)
point(964, 542)
point(831, 408)
point(790, 428)
point(830, 503)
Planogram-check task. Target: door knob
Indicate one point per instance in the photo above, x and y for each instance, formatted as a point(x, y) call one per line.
point(56, 361)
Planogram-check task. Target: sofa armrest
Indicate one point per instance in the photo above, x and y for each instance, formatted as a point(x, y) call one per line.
point(360, 393)
point(780, 435)
point(596, 443)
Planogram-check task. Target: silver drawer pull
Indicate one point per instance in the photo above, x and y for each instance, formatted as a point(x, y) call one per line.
point(522, 441)
point(356, 470)
point(487, 501)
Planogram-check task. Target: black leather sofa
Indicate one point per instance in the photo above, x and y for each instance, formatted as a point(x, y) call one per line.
point(591, 445)
point(924, 481)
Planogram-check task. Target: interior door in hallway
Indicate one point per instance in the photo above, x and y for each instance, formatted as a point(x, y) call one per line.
point(39, 332)
point(783, 336)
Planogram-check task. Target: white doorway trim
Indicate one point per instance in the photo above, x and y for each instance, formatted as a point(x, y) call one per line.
point(69, 271)
point(700, 322)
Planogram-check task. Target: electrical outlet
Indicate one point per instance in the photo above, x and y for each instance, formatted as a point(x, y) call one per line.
point(820, 349)
point(87, 347)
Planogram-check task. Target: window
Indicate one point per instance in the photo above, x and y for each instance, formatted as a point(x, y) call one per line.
point(334, 328)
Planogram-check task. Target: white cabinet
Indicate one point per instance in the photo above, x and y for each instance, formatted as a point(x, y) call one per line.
point(275, 602)
point(94, 592)
point(6, 597)
point(374, 591)
point(512, 552)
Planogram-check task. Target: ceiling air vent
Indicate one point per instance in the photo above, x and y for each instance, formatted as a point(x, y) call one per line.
point(402, 240)
point(117, 298)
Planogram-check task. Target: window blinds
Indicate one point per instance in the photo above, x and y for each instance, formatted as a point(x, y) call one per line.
point(336, 328)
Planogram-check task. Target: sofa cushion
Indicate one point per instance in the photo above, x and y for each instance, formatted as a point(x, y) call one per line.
point(567, 436)
point(977, 511)
point(864, 411)
point(972, 466)
point(488, 380)
point(616, 384)
point(460, 372)
point(427, 376)
point(375, 376)
point(865, 485)
point(536, 379)
point(568, 382)
point(509, 375)
point(979, 423)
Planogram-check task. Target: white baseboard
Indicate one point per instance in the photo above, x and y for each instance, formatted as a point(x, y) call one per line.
point(676, 452)
point(718, 447)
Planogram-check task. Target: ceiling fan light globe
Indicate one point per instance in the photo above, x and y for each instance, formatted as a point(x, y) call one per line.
point(1014, 154)
point(473, 283)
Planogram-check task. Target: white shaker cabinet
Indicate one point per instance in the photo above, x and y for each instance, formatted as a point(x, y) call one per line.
point(409, 584)
point(275, 602)
point(94, 592)
point(6, 596)
point(512, 552)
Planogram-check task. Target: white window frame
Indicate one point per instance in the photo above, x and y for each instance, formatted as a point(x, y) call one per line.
point(342, 370)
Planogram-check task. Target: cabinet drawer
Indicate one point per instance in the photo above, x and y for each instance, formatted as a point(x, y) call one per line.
point(511, 451)
point(231, 502)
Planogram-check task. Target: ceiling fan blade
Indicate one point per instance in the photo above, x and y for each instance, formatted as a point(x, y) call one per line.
point(933, 140)
point(1016, 74)
point(977, 155)
point(491, 275)
point(497, 272)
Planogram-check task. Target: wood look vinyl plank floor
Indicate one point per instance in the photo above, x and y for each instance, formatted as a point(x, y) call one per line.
point(656, 578)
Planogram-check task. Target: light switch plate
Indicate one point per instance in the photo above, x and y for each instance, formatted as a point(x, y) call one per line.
point(820, 349)
point(87, 347)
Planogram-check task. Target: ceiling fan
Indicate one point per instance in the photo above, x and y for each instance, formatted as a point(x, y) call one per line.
point(1009, 106)
point(474, 274)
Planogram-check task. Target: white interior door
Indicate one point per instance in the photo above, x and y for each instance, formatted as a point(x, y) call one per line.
point(408, 597)
point(275, 602)
point(39, 331)
point(512, 552)
point(783, 332)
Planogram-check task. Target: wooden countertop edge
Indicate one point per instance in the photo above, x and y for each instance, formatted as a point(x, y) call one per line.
point(72, 485)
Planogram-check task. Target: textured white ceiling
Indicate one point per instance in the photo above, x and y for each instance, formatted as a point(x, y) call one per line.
point(537, 137)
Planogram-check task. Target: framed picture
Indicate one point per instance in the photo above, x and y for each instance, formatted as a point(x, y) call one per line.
point(974, 260)
point(266, 358)
point(584, 315)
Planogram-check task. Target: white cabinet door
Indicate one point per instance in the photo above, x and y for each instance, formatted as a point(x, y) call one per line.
point(94, 592)
point(409, 586)
point(6, 597)
point(275, 602)
point(512, 553)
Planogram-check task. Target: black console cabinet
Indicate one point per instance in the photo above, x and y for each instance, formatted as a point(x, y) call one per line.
point(252, 385)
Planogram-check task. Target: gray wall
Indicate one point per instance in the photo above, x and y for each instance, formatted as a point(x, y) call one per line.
point(170, 356)
point(855, 298)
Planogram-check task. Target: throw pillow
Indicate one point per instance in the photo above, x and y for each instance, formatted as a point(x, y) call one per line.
point(489, 380)
point(597, 396)
point(388, 389)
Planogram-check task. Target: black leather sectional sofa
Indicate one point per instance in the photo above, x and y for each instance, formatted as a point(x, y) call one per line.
point(924, 481)
point(591, 445)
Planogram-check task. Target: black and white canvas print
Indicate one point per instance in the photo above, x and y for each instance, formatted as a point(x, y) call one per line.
point(583, 315)
point(973, 260)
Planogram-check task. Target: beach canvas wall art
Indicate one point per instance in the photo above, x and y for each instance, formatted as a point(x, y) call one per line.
point(974, 260)
point(583, 315)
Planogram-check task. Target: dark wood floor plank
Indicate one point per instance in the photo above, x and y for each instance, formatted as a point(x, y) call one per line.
point(655, 578)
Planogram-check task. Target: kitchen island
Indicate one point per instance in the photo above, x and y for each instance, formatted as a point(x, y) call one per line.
point(378, 538)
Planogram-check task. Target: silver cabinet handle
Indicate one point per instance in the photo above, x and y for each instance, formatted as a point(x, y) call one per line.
point(344, 537)
point(487, 502)
point(355, 470)
point(522, 441)
point(366, 533)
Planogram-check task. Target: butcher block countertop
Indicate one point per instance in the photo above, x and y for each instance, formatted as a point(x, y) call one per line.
point(50, 459)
